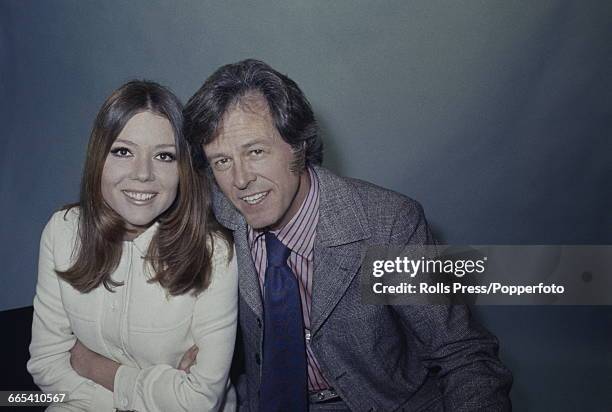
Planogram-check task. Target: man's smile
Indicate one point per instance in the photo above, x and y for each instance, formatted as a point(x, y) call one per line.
point(255, 198)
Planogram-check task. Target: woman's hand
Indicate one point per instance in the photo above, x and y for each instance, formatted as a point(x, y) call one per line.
point(94, 366)
point(102, 370)
point(188, 359)
point(80, 357)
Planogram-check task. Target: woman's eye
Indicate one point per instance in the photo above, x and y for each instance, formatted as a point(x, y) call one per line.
point(166, 157)
point(121, 152)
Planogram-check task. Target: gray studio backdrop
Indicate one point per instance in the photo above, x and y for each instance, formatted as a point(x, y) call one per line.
point(494, 115)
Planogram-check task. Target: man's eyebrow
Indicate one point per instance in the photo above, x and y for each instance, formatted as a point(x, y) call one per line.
point(254, 142)
point(215, 155)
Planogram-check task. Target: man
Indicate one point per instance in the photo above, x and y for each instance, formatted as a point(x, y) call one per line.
point(300, 234)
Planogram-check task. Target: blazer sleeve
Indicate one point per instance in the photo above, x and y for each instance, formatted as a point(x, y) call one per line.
point(52, 336)
point(462, 354)
point(206, 387)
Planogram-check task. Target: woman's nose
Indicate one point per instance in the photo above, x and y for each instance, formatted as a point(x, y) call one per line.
point(143, 170)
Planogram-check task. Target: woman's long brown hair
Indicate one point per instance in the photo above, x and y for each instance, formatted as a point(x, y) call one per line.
point(179, 252)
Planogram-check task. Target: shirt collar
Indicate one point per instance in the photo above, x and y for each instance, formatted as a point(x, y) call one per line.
point(142, 241)
point(298, 234)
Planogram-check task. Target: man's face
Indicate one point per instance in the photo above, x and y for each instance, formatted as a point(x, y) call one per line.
point(251, 164)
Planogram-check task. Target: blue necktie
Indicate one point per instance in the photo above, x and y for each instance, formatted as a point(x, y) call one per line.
point(284, 375)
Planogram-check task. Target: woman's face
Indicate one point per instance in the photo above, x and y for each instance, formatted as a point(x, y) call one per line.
point(140, 175)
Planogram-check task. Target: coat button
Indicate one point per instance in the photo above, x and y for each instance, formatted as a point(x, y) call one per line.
point(259, 323)
point(257, 359)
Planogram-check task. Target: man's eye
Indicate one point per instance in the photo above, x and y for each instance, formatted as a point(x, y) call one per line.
point(222, 164)
point(121, 152)
point(257, 152)
point(166, 157)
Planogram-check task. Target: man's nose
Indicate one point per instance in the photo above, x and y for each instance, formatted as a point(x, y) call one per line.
point(242, 175)
point(143, 169)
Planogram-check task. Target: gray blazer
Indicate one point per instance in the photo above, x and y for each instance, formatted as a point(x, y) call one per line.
point(378, 358)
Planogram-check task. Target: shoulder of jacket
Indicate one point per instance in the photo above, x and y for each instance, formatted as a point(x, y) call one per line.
point(220, 248)
point(375, 197)
point(64, 220)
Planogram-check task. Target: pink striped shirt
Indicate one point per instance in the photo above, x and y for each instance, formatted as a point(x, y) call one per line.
point(298, 235)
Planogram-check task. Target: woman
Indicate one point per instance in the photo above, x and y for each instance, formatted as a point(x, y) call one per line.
point(136, 273)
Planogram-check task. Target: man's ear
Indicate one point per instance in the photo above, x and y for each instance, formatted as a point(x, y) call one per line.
point(298, 165)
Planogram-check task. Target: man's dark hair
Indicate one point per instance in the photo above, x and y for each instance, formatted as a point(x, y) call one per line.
point(227, 86)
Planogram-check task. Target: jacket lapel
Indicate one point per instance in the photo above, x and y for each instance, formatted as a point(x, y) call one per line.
point(338, 251)
point(248, 282)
